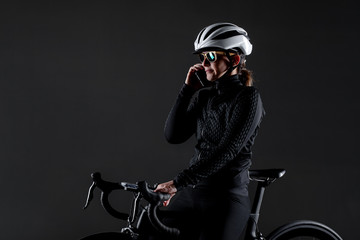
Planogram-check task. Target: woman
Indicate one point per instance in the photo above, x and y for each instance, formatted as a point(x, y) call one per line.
point(211, 194)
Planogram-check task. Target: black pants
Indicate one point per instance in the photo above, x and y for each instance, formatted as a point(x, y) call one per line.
point(202, 213)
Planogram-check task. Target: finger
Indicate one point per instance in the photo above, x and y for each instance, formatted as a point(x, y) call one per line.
point(196, 67)
point(159, 188)
point(200, 66)
point(163, 190)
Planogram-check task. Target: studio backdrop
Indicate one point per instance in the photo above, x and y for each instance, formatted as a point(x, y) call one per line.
point(86, 86)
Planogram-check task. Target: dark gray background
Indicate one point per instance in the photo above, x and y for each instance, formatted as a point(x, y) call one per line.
point(86, 86)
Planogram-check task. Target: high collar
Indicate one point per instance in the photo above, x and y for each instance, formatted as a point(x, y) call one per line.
point(227, 82)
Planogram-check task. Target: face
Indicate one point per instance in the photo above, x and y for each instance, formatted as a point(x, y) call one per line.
point(214, 70)
point(217, 63)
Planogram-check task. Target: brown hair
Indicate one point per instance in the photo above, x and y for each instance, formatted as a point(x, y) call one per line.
point(246, 77)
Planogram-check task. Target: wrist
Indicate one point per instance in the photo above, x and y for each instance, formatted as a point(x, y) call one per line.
point(178, 186)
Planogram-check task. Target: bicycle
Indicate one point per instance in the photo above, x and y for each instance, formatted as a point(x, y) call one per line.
point(301, 229)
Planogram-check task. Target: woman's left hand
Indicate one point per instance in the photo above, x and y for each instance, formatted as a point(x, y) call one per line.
point(167, 187)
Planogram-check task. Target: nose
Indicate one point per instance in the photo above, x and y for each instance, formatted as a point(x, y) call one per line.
point(205, 62)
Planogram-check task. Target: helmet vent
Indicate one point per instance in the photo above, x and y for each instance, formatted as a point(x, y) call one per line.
point(228, 34)
point(199, 37)
point(216, 28)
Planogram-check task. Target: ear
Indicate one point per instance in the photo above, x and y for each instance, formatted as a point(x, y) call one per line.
point(236, 60)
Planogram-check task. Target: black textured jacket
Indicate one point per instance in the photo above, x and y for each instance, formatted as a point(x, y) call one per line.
point(225, 118)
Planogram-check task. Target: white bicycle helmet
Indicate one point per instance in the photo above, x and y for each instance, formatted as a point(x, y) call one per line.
point(223, 36)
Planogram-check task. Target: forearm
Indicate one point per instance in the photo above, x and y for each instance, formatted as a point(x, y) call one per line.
point(181, 122)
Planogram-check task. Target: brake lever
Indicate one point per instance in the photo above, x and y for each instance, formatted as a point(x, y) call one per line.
point(90, 195)
point(150, 196)
point(106, 188)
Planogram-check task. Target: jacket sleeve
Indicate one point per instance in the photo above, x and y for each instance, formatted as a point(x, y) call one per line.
point(246, 117)
point(181, 122)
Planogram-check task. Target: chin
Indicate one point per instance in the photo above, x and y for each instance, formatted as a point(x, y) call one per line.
point(213, 79)
point(210, 78)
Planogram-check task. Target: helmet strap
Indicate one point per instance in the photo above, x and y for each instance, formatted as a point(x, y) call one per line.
point(231, 68)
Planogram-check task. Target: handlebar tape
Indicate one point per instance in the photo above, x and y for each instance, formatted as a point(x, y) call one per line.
point(155, 200)
point(106, 205)
point(152, 214)
point(106, 188)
